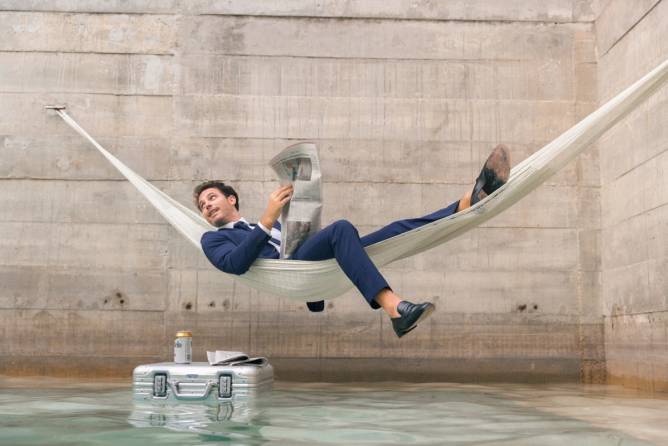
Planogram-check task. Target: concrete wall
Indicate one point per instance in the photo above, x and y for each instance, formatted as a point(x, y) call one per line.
point(404, 101)
point(634, 179)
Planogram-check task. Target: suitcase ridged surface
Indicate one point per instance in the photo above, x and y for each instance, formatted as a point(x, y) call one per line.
point(199, 381)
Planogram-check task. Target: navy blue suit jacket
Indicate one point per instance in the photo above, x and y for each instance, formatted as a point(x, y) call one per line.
point(234, 250)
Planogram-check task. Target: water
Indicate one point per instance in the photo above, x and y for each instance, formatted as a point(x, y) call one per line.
point(40, 411)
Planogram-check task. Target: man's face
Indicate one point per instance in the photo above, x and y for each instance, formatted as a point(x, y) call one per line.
point(216, 208)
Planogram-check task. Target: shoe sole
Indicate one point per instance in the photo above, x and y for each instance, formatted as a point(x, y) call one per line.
point(425, 314)
point(494, 174)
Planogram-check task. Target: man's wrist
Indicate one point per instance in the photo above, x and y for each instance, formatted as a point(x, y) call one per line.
point(264, 228)
point(267, 222)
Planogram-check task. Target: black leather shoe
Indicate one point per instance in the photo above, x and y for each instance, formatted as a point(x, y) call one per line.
point(411, 314)
point(316, 307)
point(493, 175)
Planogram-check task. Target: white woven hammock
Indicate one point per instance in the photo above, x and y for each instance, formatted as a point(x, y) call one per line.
point(315, 280)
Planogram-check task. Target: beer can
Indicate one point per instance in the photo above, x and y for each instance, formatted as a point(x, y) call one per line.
point(183, 347)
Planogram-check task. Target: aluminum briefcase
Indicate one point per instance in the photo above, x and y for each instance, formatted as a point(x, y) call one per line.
point(199, 381)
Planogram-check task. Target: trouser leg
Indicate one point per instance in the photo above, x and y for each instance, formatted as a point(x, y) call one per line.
point(341, 241)
point(401, 226)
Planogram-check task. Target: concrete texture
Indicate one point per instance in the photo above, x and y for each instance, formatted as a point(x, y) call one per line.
point(404, 101)
point(634, 199)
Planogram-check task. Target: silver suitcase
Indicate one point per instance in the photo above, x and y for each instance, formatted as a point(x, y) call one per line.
point(199, 381)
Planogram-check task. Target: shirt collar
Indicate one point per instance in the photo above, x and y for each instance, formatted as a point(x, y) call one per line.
point(230, 225)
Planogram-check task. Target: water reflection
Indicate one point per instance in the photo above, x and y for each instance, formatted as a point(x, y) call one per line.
point(334, 415)
point(237, 420)
point(321, 414)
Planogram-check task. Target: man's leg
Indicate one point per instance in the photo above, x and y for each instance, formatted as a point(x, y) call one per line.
point(494, 174)
point(401, 226)
point(341, 241)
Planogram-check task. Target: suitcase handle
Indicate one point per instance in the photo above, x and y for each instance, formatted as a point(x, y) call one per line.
point(174, 385)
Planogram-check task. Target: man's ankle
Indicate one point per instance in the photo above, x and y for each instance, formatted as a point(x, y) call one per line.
point(464, 202)
point(388, 301)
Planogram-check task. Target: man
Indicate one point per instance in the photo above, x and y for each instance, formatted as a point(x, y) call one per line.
point(237, 244)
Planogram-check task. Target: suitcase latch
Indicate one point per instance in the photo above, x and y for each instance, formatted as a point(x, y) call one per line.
point(160, 385)
point(225, 386)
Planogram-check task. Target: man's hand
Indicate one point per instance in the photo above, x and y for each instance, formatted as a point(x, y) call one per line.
point(277, 199)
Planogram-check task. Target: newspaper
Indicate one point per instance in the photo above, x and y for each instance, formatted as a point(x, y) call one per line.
point(223, 357)
point(299, 165)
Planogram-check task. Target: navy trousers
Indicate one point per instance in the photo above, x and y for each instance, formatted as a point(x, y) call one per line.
point(342, 242)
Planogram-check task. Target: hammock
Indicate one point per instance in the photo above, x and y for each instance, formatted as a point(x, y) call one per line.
point(315, 280)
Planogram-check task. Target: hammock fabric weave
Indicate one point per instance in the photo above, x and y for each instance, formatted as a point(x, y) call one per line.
point(315, 280)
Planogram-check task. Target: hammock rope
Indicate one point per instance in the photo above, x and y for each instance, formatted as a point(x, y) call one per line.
point(315, 280)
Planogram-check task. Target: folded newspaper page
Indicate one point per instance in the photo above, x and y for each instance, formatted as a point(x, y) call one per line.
point(299, 165)
point(222, 357)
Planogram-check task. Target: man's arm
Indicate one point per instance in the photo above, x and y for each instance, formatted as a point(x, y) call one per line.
point(231, 258)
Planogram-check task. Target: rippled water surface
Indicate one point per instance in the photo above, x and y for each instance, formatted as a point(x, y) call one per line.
point(54, 412)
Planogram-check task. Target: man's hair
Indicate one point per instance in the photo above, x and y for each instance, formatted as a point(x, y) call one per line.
point(216, 184)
